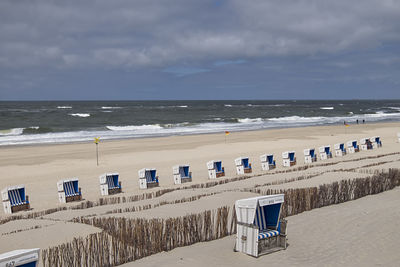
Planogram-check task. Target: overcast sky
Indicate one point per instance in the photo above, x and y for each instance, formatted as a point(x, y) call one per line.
point(184, 49)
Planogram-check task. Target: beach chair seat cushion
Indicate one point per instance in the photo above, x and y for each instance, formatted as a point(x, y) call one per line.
point(267, 234)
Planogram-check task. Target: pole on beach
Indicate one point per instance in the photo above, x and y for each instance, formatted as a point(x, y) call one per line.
point(226, 134)
point(96, 141)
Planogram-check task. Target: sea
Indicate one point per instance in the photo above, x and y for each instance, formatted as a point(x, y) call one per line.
point(29, 123)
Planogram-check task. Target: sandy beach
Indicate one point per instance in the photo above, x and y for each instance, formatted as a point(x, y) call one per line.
point(349, 224)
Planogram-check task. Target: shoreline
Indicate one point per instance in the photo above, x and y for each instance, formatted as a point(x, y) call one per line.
point(385, 123)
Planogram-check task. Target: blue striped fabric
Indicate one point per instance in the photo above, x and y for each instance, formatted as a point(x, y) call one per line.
point(15, 198)
point(110, 182)
point(268, 234)
point(69, 189)
point(260, 221)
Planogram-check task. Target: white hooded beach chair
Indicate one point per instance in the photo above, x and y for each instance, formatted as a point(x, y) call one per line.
point(181, 174)
point(352, 146)
point(243, 165)
point(289, 158)
point(15, 199)
point(215, 169)
point(259, 230)
point(20, 257)
point(376, 141)
point(148, 178)
point(365, 144)
point(398, 137)
point(267, 162)
point(325, 152)
point(69, 190)
point(110, 184)
point(309, 155)
point(340, 150)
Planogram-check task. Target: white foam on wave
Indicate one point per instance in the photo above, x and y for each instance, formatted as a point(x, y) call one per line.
point(134, 127)
point(248, 120)
point(81, 115)
point(183, 106)
point(394, 108)
point(327, 108)
point(64, 107)
point(111, 107)
point(227, 105)
point(13, 131)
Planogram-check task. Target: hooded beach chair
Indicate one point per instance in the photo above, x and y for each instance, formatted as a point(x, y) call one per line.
point(340, 150)
point(325, 152)
point(376, 141)
point(148, 178)
point(289, 158)
point(181, 174)
point(352, 146)
point(243, 165)
point(20, 257)
point(259, 229)
point(215, 169)
point(14, 199)
point(309, 155)
point(267, 162)
point(365, 144)
point(398, 137)
point(69, 190)
point(109, 184)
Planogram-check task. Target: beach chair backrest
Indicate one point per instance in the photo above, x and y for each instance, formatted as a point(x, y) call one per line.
point(267, 217)
point(354, 143)
point(245, 162)
point(184, 171)
point(341, 147)
point(312, 152)
point(218, 166)
point(15, 196)
point(270, 159)
point(70, 188)
point(291, 156)
point(112, 180)
point(327, 149)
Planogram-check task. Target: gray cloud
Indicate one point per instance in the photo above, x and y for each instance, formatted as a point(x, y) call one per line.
point(42, 38)
point(130, 34)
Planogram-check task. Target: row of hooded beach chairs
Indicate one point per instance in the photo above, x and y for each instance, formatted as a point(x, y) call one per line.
point(14, 198)
point(353, 146)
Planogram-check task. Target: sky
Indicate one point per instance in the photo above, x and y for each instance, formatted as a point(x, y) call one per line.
point(186, 49)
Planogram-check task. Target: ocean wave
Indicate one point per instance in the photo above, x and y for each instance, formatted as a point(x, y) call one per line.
point(135, 127)
point(111, 107)
point(64, 107)
point(17, 136)
point(248, 120)
point(17, 131)
point(327, 108)
point(13, 131)
point(81, 115)
point(394, 108)
point(227, 105)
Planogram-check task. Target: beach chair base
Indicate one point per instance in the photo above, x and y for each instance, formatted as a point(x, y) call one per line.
point(247, 170)
point(17, 208)
point(272, 244)
point(186, 180)
point(114, 191)
point(220, 174)
point(151, 185)
point(73, 198)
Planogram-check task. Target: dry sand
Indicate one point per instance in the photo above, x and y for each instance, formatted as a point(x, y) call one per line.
point(40, 167)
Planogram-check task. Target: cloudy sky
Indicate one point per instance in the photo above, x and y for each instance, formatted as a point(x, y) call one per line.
point(186, 49)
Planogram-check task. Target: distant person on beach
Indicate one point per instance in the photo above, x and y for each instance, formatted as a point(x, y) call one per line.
point(363, 121)
point(344, 122)
point(357, 121)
